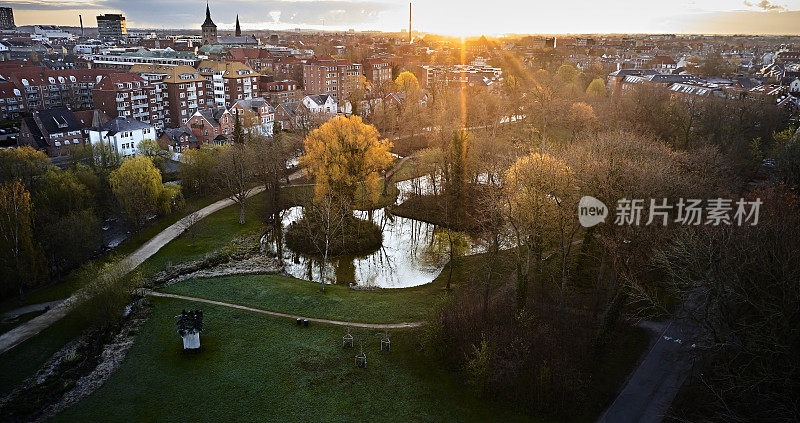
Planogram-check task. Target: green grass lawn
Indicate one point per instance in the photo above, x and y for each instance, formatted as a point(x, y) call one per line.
point(259, 368)
point(289, 295)
point(213, 232)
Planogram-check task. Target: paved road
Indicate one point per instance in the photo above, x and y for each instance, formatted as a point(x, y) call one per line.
point(403, 325)
point(647, 396)
point(32, 327)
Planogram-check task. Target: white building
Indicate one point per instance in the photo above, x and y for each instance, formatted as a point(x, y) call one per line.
point(320, 103)
point(51, 32)
point(261, 113)
point(124, 134)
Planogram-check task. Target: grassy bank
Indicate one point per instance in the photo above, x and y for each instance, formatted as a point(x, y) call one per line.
point(289, 295)
point(259, 368)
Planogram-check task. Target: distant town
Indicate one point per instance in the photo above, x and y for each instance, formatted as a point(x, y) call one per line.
point(180, 84)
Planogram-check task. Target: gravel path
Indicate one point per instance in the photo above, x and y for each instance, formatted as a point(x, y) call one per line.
point(289, 316)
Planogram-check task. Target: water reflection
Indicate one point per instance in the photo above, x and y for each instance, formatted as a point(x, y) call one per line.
point(405, 259)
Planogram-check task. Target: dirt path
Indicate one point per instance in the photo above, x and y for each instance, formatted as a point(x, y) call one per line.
point(404, 325)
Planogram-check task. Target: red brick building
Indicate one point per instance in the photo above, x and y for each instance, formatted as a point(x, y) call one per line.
point(129, 95)
point(377, 70)
point(182, 90)
point(277, 92)
point(211, 126)
point(42, 88)
point(329, 76)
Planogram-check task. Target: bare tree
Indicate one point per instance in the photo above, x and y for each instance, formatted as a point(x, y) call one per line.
point(235, 174)
point(190, 225)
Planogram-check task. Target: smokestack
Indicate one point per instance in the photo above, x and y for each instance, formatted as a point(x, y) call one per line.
point(81, 19)
point(410, 38)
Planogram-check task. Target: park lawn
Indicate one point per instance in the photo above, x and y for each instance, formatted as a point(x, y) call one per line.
point(212, 233)
point(295, 296)
point(261, 368)
point(22, 361)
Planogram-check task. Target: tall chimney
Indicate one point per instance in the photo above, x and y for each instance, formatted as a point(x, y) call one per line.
point(410, 38)
point(81, 19)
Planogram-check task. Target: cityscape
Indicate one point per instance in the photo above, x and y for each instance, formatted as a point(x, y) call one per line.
point(391, 211)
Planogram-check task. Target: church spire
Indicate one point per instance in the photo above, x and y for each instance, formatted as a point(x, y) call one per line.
point(208, 22)
point(238, 27)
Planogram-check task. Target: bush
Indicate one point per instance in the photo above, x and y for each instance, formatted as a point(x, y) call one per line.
point(106, 291)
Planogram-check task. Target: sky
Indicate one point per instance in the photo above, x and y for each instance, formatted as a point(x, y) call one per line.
point(451, 17)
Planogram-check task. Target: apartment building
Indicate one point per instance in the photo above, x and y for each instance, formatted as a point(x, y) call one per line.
point(277, 92)
point(330, 76)
point(129, 95)
point(255, 114)
point(124, 134)
point(377, 71)
point(227, 82)
point(42, 88)
point(182, 90)
point(58, 131)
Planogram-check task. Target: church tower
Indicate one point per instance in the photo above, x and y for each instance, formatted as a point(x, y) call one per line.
point(209, 29)
point(238, 27)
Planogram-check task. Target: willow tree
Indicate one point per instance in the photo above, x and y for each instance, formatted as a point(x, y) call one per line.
point(138, 188)
point(344, 155)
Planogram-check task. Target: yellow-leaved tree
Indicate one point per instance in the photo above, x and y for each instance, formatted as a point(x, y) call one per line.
point(343, 155)
point(408, 84)
point(596, 88)
point(138, 188)
point(540, 196)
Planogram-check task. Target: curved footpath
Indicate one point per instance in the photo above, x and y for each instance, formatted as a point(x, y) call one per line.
point(290, 316)
point(32, 327)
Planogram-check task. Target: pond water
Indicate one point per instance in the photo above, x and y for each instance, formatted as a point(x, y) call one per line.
point(412, 252)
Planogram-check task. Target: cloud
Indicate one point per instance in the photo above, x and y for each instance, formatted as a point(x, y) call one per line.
point(765, 5)
point(189, 13)
point(743, 22)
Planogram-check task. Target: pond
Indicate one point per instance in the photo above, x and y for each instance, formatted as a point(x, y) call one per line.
point(412, 252)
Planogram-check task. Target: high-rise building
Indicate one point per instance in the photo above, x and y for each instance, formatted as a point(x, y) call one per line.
point(209, 29)
point(7, 18)
point(111, 26)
